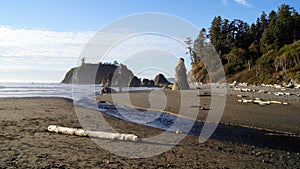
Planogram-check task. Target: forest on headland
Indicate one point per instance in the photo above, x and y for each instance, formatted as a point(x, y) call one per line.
point(267, 51)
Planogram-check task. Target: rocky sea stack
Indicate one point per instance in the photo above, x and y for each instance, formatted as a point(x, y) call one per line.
point(88, 73)
point(161, 81)
point(181, 82)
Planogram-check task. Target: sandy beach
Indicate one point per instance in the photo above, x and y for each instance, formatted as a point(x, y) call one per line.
point(25, 143)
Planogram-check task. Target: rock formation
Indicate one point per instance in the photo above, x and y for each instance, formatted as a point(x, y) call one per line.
point(107, 90)
point(151, 83)
point(180, 77)
point(145, 82)
point(89, 73)
point(161, 81)
point(106, 82)
point(135, 82)
point(122, 77)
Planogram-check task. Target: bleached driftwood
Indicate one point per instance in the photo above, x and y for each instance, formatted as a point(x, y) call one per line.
point(245, 101)
point(96, 134)
point(283, 94)
point(261, 91)
point(237, 89)
point(245, 90)
point(261, 102)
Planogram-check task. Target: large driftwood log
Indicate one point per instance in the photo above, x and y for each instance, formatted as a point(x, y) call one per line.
point(96, 134)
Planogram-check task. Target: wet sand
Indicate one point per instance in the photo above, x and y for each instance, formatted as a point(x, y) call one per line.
point(270, 117)
point(26, 143)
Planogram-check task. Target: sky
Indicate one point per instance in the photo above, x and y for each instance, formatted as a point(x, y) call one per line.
point(40, 40)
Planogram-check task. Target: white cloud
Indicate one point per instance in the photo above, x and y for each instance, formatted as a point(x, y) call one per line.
point(34, 50)
point(40, 49)
point(243, 2)
point(225, 2)
point(41, 43)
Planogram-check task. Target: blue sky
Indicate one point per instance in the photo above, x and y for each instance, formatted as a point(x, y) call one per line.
point(41, 39)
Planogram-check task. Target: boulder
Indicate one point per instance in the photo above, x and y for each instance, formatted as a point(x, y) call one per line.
point(169, 87)
point(106, 82)
point(175, 86)
point(106, 90)
point(161, 81)
point(151, 83)
point(135, 82)
point(145, 82)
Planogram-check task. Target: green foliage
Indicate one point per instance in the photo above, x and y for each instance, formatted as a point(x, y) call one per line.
point(268, 50)
point(283, 29)
point(267, 60)
point(288, 56)
point(235, 61)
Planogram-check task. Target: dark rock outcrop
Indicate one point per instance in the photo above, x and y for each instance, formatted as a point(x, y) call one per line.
point(145, 82)
point(161, 81)
point(105, 74)
point(89, 73)
point(106, 82)
point(135, 82)
point(105, 90)
point(151, 83)
point(106, 85)
point(148, 83)
point(69, 76)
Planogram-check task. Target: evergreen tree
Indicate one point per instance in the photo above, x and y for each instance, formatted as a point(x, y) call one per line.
point(263, 46)
point(215, 34)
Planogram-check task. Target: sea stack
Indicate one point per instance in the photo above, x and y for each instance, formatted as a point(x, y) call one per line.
point(122, 77)
point(180, 77)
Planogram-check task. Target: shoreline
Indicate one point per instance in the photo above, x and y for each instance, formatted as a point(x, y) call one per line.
point(97, 98)
point(275, 132)
point(25, 143)
point(285, 117)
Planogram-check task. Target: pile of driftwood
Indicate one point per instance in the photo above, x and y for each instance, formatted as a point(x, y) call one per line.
point(263, 91)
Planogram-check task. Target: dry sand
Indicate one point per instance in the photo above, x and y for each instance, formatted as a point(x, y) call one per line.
point(25, 143)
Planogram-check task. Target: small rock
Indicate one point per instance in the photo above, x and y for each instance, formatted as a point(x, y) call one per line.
point(178, 132)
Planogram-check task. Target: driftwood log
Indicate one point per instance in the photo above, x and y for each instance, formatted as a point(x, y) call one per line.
point(95, 134)
point(260, 102)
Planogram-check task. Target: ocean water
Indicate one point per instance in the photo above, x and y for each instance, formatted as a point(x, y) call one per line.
point(23, 90)
point(72, 91)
